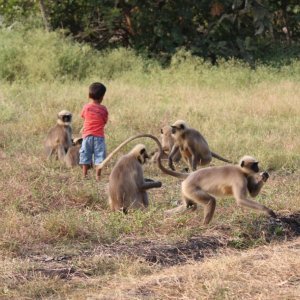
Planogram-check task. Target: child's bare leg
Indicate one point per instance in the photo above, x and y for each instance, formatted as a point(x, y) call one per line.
point(98, 174)
point(85, 170)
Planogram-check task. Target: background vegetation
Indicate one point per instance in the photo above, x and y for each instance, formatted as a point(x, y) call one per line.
point(247, 29)
point(58, 239)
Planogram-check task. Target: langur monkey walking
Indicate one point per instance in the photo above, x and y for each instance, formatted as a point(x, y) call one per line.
point(59, 138)
point(201, 187)
point(192, 146)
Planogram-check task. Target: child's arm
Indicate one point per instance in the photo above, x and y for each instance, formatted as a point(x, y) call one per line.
point(105, 116)
point(82, 114)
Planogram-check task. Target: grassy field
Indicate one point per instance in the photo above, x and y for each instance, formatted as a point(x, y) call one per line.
point(58, 239)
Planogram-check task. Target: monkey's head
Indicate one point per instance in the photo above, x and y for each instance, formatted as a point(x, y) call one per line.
point(249, 164)
point(140, 153)
point(167, 140)
point(64, 118)
point(179, 126)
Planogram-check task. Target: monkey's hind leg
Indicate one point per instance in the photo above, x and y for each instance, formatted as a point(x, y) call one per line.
point(200, 197)
point(205, 160)
point(194, 160)
point(209, 210)
point(49, 152)
point(115, 205)
point(145, 199)
point(179, 209)
point(186, 204)
point(61, 153)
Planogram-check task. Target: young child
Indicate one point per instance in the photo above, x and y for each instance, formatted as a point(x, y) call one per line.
point(95, 115)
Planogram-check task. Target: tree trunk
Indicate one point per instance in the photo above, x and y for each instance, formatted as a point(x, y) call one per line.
point(44, 15)
point(286, 28)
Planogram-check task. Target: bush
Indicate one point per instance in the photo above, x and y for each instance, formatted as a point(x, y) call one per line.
point(35, 55)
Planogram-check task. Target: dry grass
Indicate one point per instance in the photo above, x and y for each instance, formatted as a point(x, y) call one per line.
point(58, 240)
point(270, 272)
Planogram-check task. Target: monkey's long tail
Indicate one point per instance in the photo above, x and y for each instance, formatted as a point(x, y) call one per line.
point(215, 155)
point(160, 165)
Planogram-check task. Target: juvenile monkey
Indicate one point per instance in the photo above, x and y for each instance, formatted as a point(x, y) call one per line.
point(127, 187)
point(72, 156)
point(167, 142)
point(192, 146)
point(201, 186)
point(59, 138)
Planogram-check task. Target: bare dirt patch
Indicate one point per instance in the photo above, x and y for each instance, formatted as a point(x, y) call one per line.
point(158, 252)
point(235, 275)
point(289, 225)
point(165, 254)
point(151, 251)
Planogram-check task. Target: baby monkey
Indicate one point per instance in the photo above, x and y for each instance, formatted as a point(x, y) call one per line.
point(192, 145)
point(72, 156)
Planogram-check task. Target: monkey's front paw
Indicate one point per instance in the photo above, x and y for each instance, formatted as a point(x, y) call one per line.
point(265, 176)
point(148, 180)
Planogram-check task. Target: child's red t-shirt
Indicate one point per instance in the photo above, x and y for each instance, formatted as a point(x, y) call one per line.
point(95, 117)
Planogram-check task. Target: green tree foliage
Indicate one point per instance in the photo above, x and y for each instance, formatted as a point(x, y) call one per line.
point(208, 28)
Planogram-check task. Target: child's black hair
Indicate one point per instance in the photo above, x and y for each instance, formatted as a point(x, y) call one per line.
point(97, 90)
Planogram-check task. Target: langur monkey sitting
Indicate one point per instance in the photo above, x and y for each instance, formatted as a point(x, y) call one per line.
point(192, 146)
point(201, 186)
point(167, 143)
point(59, 138)
point(127, 187)
point(72, 156)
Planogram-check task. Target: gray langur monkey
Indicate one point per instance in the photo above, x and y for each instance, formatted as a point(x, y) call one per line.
point(127, 187)
point(59, 138)
point(72, 157)
point(167, 143)
point(192, 145)
point(201, 187)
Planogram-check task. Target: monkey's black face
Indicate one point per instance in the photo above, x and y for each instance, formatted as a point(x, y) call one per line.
point(178, 128)
point(143, 156)
point(67, 118)
point(254, 167)
point(174, 129)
